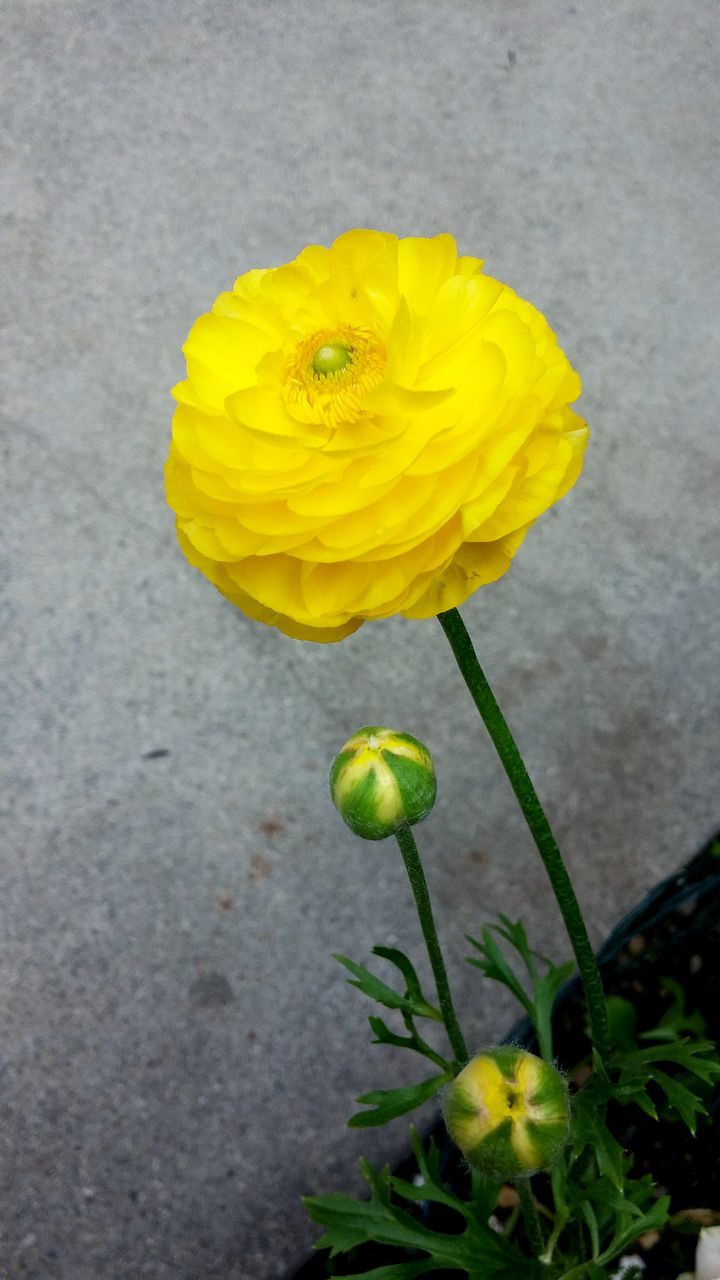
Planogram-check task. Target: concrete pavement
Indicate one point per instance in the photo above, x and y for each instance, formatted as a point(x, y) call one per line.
point(178, 1050)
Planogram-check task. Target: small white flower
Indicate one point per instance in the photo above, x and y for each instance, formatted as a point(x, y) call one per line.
point(629, 1263)
point(707, 1254)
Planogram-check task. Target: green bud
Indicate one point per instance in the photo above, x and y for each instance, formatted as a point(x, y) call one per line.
point(508, 1112)
point(382, 779)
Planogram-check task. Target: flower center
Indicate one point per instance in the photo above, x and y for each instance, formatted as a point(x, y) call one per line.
point(331, 358)
point(515, 1101)
point(329, 372)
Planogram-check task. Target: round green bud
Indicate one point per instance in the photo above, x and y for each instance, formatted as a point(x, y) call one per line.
point(508, 1112)
point(381, 780)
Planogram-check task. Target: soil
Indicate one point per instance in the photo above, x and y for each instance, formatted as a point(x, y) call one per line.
point(673, 934)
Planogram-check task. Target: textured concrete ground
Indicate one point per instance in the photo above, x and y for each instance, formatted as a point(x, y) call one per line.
point(178, 1051)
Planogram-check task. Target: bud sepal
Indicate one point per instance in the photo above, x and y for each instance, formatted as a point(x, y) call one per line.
point(508, 1112)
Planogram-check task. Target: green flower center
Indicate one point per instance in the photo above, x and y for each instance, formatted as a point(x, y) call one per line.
point(331, 358)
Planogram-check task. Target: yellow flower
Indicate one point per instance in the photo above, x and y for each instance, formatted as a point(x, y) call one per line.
point(508, 1112)
point(368, 430)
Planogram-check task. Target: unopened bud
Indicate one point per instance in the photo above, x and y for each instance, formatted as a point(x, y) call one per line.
point(508, 1112)
point(381, 780)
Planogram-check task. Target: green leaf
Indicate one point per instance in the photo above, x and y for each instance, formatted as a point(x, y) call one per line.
point(695, 1058)
point(384, 1035)
point(675, 1021)
point(588, 1129)
point(591, 1221)
point(686, 1053)
point(430, 1189)
point(485, 1191)
point(642, 1099)
point(685, 1102)
point(477, 1251)
point(395, 1271)
point(484, 1197)
point(622, 1022)
point(414, 991)
point(622, 1203)
point(653, 1220)
point(376, 989)
point(373, 987)
point(494, 965)
point(387, 1104)
point(545, 985)
point(348, 1222)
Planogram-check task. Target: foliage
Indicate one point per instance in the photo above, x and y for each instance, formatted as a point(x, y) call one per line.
point(476, 1250)
point(411, 1003)
point(545, 978)
point(592, 1207)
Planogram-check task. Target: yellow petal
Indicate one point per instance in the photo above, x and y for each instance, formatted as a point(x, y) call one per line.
point(423, 266)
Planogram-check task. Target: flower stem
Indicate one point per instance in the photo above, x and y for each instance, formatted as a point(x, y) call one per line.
point(530, 1216)
point(418, 884)
point(504, 743)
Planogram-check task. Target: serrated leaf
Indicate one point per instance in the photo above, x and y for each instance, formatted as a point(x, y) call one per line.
point(414, 992)
point(494, 965)
point(623, 1203)
point(376, 989)
point(485, 1191)
point(643, 1100)
point(675, 1020)
point(478, 1251)
point(514, 932)
point(372, 986)
point(588, 1129)
point(432, 1187)
point(387, 1104)
point(653, 1220)
point(685, 1102)
point(641, 1067)
point(690, 1054)
point(383, 1034)
point(348, 1222)
point(545, 986)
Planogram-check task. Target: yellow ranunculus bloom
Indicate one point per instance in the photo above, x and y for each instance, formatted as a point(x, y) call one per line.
point(368, 430)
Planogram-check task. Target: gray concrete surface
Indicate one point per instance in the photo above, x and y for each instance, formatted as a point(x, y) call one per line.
point(179, 1052)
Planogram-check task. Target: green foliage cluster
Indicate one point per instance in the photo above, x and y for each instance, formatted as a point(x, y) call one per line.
point(590, 1206)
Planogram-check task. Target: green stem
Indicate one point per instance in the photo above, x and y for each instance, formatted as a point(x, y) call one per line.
point(418, 884)
point(544, 1035)
point(562, 1213)
point(530, 1216)
point(504, 743)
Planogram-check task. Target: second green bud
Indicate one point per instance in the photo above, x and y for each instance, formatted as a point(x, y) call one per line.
point(381, 780)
